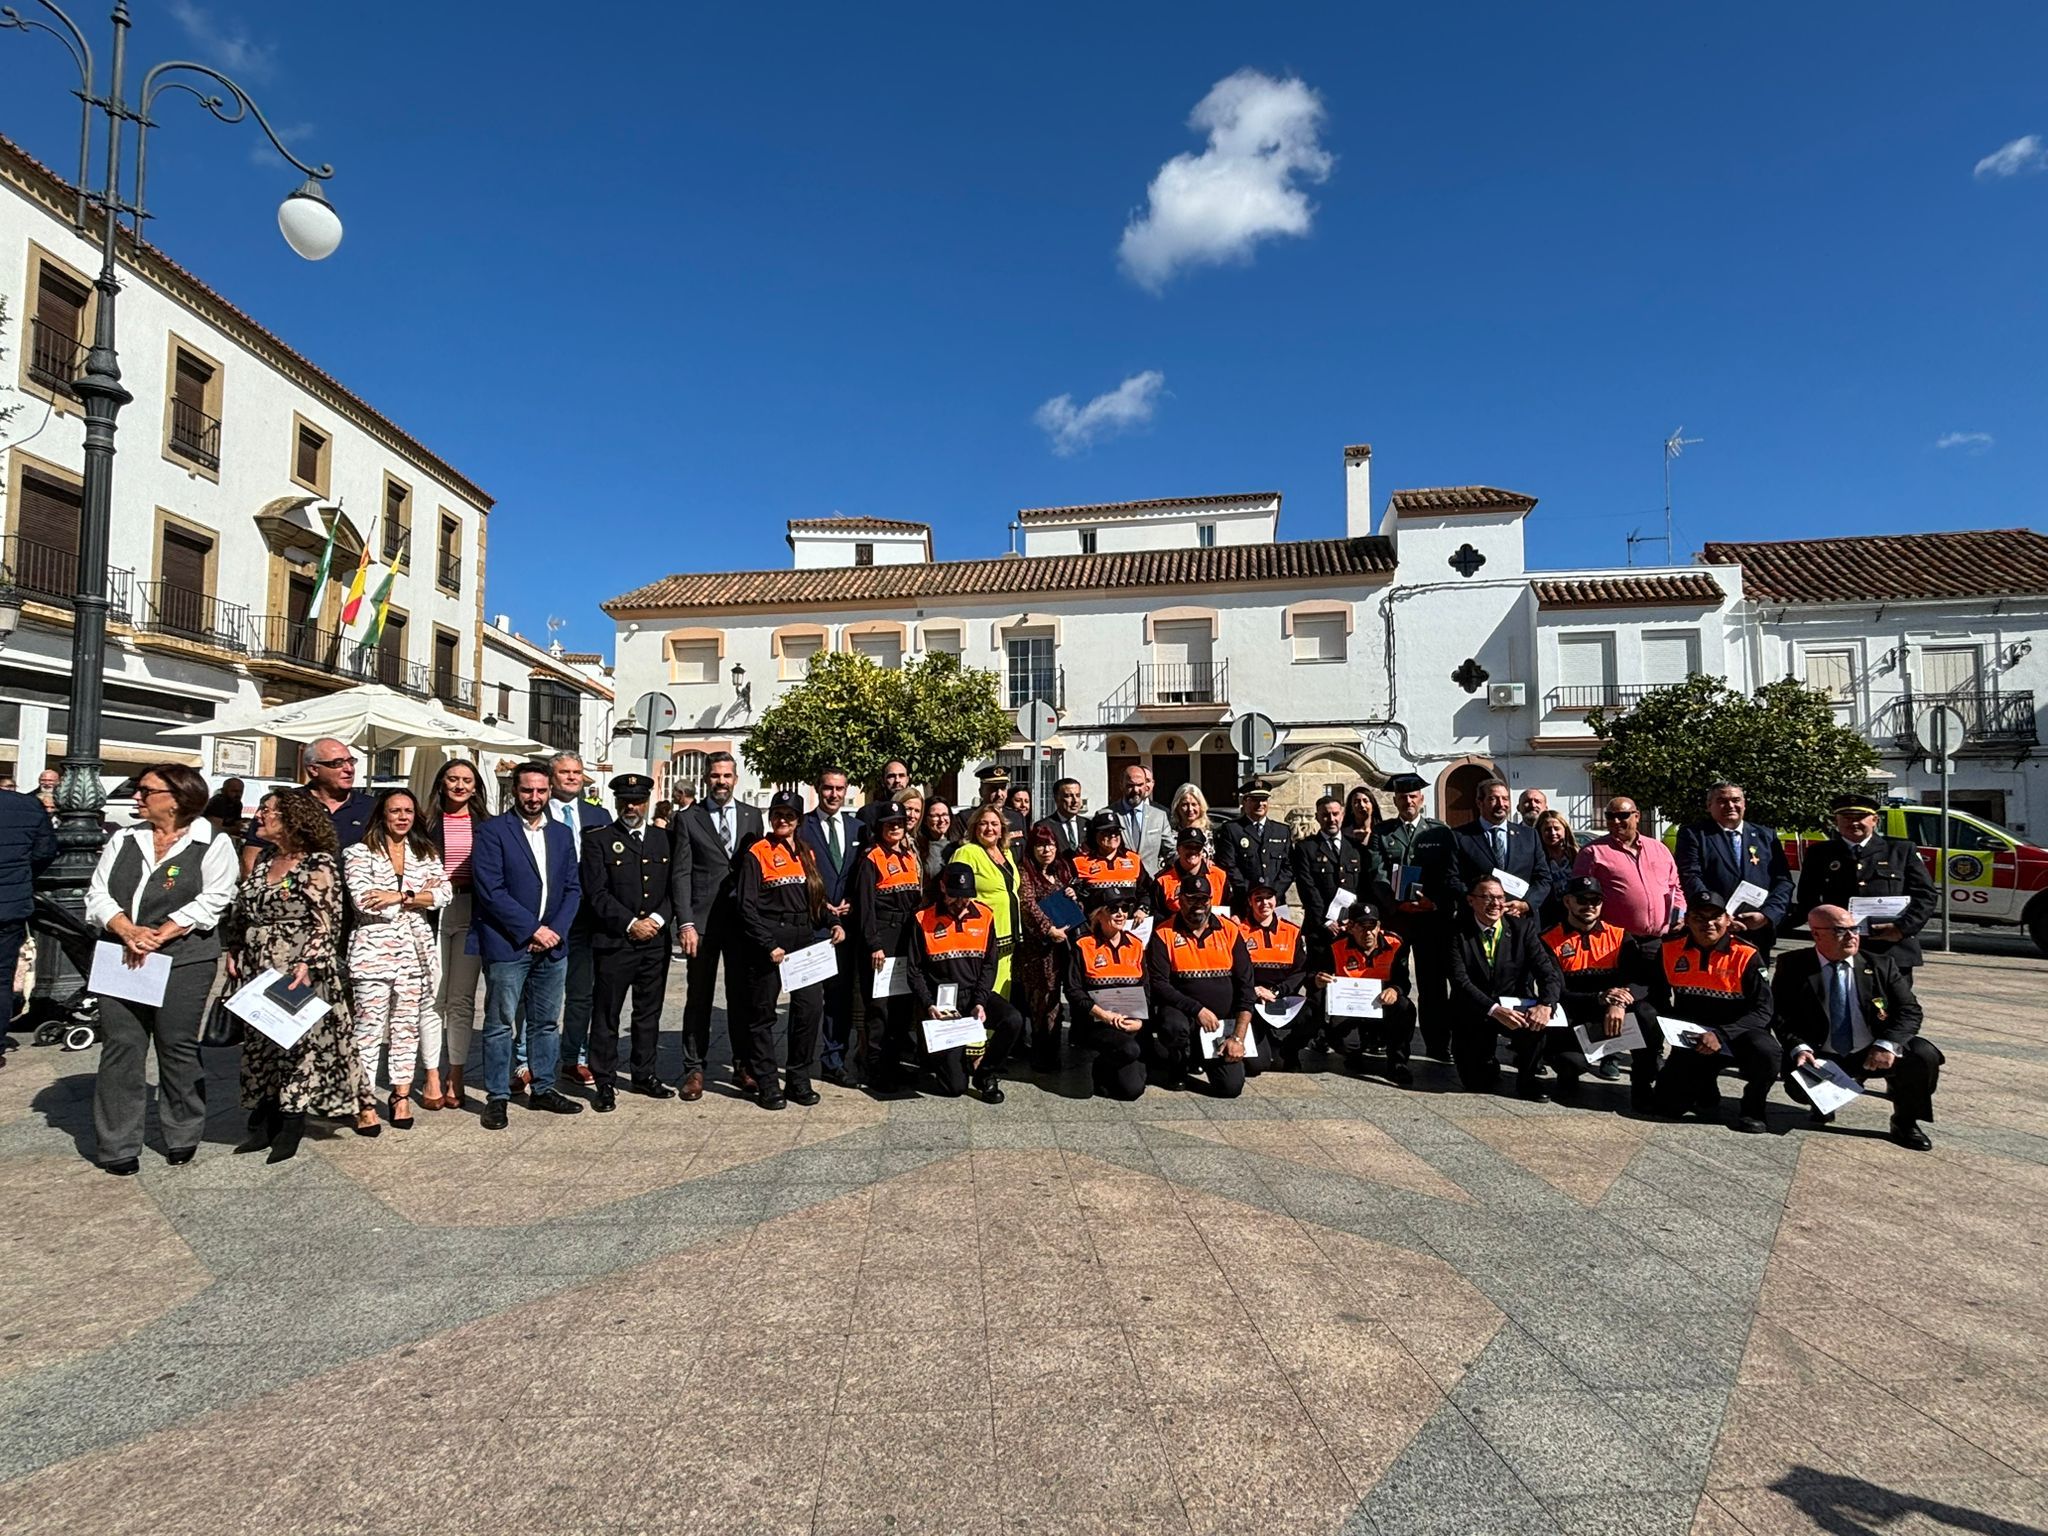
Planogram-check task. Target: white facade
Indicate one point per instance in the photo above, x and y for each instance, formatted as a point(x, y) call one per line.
point(816, 542)
point(233, 457)
point(558, 697)
point(1181, 522)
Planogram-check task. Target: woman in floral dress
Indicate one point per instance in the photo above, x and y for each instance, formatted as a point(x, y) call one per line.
point(287, 916)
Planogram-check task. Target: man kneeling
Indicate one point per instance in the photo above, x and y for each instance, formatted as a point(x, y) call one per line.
point(1200, 977)
point(953, 976)
point(1712, 980)
point(1604, 986)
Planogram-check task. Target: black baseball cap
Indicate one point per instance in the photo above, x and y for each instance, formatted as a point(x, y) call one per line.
point(1586, 888)
point(786, 801)
point(957, 880)
point(1105, 821)
point(1191, 837)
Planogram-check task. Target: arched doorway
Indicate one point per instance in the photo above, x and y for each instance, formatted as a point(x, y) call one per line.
point(1122, 753)
point(1217, 773)
point(1323, 769)
point(1172, 766)
point(1455, 786)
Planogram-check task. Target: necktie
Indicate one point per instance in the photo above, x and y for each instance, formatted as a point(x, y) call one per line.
point(1137, 815)
point(1735, 847)
point(634, 833)
point(1492, 942)
point(1500, 848)
point(832, 839)
point(1841, 1012)
point(725, 826)
point(1074, 834)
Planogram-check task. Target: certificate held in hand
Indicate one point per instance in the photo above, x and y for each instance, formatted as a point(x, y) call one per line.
point(1353, 997)
point(808, 966)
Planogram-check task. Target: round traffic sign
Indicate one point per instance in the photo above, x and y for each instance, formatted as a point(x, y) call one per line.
point(1037, 720)
point(1940, 730)
point(1254, 736)
point(654, 714)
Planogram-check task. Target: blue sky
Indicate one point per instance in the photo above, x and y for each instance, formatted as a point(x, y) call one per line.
point(662, 276)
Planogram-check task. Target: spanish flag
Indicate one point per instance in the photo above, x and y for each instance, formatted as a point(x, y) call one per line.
point(383, 601)
point(352, 604)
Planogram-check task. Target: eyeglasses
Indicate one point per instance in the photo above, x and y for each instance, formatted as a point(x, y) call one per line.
point(1491, 901)
point(144, 791)
point(331, 762)
point(1840, 933)
point(1622, 815)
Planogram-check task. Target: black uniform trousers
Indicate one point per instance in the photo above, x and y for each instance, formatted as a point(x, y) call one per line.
point(1475, 1045)
point(1281, 1044)
point(640, 970)
point(953, 1068)
point(1171, 1049)
point(719, 939)
point(1912, 1078)
point(1119, 1066)
point(1428, 939)
point(1689, 1080)
point(1392, 1032)
point(806, 1017)
point(1561, 1046)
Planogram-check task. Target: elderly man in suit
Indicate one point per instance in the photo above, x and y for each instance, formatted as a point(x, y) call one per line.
point(710, 836)
point(1494, 843)
point(1504, 981)
point(834, 835)
point(527, 894)
point(1857, 1010)
point(629, 889)
point(566, 804)
point(1723, 851)
point(1857, 862)
point(1144, 824)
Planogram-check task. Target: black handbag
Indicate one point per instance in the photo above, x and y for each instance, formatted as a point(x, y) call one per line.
point(221, 1026)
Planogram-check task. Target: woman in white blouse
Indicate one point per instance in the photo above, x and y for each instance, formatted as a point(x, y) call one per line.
point(1188, 808)
point(394, 879)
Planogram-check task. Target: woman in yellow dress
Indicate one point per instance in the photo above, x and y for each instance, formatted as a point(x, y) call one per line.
point(986, 851)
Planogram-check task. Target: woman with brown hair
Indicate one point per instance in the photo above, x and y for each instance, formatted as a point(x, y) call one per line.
point(458, 803)
point(1559, 850)
point(394, 880)
point(986, 852)
point(781, 900)
point(1041, 944)
point(287, 917)
point(934, 838)
point(161, 887)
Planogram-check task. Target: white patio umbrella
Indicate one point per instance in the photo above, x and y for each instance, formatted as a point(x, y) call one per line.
point(371, 717)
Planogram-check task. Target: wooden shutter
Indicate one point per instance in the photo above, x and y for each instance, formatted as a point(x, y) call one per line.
point(192, 378)
point(49, 513)
point(310, 443)
point(298, 598)
point(60, 304)
point(184, 560)
point(444, 658)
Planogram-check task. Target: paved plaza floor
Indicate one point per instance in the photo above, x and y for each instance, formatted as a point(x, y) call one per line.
point(1329, 1306)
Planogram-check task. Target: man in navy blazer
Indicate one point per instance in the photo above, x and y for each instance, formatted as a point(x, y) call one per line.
point(1495, 841)
point(28, 846)
point(1725, 850)
point(566, 780)
point(834, 834)
point(523, 869)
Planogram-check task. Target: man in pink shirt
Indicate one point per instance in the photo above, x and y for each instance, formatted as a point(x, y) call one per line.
point(1638, 874)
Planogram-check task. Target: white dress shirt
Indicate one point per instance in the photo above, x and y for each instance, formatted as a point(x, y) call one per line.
point(537, 841)
point(217, 863)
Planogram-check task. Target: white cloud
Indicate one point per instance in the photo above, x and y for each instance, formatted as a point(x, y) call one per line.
point(2014, 159)
point(1972, 443)
point(226, 46)
point(1216, 206)
point(1072, 428)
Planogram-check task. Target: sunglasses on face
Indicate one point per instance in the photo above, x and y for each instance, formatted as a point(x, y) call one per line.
point(1621, 815)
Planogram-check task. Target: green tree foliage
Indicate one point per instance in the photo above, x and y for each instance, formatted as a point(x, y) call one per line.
point(1783, 747)
point(934, 714)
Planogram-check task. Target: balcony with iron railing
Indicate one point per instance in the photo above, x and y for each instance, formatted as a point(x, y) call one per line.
point(44, 573)
point(56, 358)
point(183, 614)
point(448, 571)
point(455, 692)
point(281, 639)
point(1187, 688)
point(1994, 720)
point(195, 435)
point(1580, 698)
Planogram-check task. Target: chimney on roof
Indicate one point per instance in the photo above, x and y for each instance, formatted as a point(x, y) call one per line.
point(502, 622)
point(1358, 491)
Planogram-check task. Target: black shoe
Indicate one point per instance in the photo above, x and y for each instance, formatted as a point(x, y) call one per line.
point(771, 1098)
point(1907, 1133)
point(800, 1091)
point(1817, 1118)
point(1566, 1086)
point(493, 1118)
point(839, 1077)
point(1354, 1061)
point(989, 1088)
point(1751, 1125)
point(1399, 1074)
point(122, 1167)
point(553, 1101)
point(285, 1145)
point(607, 1099)
point(1609, 1069)
point(653, 1088)
point(177, 1157)
point(264, 1120)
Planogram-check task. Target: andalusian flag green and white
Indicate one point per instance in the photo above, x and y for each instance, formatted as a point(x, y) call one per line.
point(383, 602)
point(326, 565)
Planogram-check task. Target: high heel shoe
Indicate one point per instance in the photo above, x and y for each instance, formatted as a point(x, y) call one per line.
point(285, 1145)
point(374, 1128)
point(264, 1121)
point(401, 1096)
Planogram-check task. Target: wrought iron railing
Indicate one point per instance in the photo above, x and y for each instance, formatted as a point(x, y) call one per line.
point(448, 571)
point(44, 573)
point(164, 609)
point(1584, 696)
point(1993, 720)
point(1024, 688)
point(194, 434)
point(55, 358)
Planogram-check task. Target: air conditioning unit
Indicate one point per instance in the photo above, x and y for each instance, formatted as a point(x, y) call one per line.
point(1507, 695)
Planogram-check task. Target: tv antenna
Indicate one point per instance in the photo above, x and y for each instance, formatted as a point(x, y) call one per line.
point(1674, 446)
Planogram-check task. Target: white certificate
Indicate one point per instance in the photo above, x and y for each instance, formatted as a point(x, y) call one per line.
point(1683, 1035)
point(1209, 1039)
point(1131, 1002)
point(1827, 1085)
point(808, 966)
point(1281, 1011)
point(1877, 909)
point(1142, 930)
point(891, 980)
point(1748, 894)
point(1514, 885)
point(261, 1011)
point(1339, 905)
point(1222, 912)
point(112, 976)
point(1595, 1047)
point(1355, 997)
point(950, 1034)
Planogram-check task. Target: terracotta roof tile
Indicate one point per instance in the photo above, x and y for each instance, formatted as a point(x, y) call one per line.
point(858, 525)
point(1109, 509)
point(1432, 501)
point(1689, 588)
point(850, 586)
point(1976, 562)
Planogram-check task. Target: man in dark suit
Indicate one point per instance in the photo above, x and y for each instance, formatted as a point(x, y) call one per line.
point(1857, 1010)
point(895, 777)
point(566, 804)
point(28, 846)
point(711, 834)
point(1424, 909)
point(1504, 981)
point(1255, 850)
point(1724, 850)
point(1068, 821)
point(1324, 863)
point(834, 836)
point(1495, 841)
point(527, 893)
point(629, 877)
point(1857, 862)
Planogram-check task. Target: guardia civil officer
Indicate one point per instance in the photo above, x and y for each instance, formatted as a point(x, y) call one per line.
point(1856, 861)
point(781, 899)
point(1255, 850)
point(1708, 977)
point(629, 875)
point(1367, 952)
point(1420, 852)
point(953, 943)
point(1106, 994)
point(1606, 982)
point(1279, 971)
point(1199, 976)
point(1190, 867)
point(888, 890)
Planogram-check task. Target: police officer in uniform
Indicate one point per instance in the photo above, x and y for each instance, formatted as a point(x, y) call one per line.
point(1856, 861)
point(1199, 975)
point(1255, 850)
point(1325, 862)
point(1106, 993)
point(995, 791)
point(1423, 910)
point(1279, 971)
point(1708, 977)
point(1107, 868)
point(888, 889)
point(629, 877)
point(953, 942)
point(1191, 867)
point(1606, 981)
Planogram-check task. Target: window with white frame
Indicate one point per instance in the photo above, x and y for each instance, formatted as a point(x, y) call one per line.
point(1087, 541)
point(1319, 637)
point(693, 661)
point(1585, 671)
point(1833, 672)
point(1031, 673)
point(1670, 655)
point(797, 651)
point(884, 650)
point(945, 638)
point(1205, 535)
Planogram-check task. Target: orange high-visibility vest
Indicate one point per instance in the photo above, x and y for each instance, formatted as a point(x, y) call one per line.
point(1348, 960)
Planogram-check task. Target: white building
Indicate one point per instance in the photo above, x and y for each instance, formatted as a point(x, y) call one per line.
point(234, 456)
point(562, 698)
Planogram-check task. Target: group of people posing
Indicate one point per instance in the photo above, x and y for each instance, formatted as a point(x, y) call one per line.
point(1176, 945)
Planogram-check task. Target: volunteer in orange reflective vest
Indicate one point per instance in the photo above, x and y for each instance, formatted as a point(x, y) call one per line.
point(1106, 995)
point(1709, 978)
point(1190, 866)
point(1279, 971)
point(1367, 952)
point(1605, 982)
point(1199, 975)
point(1108, 868)
point(888, 888)
point(782, 908)
point(953, 944)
